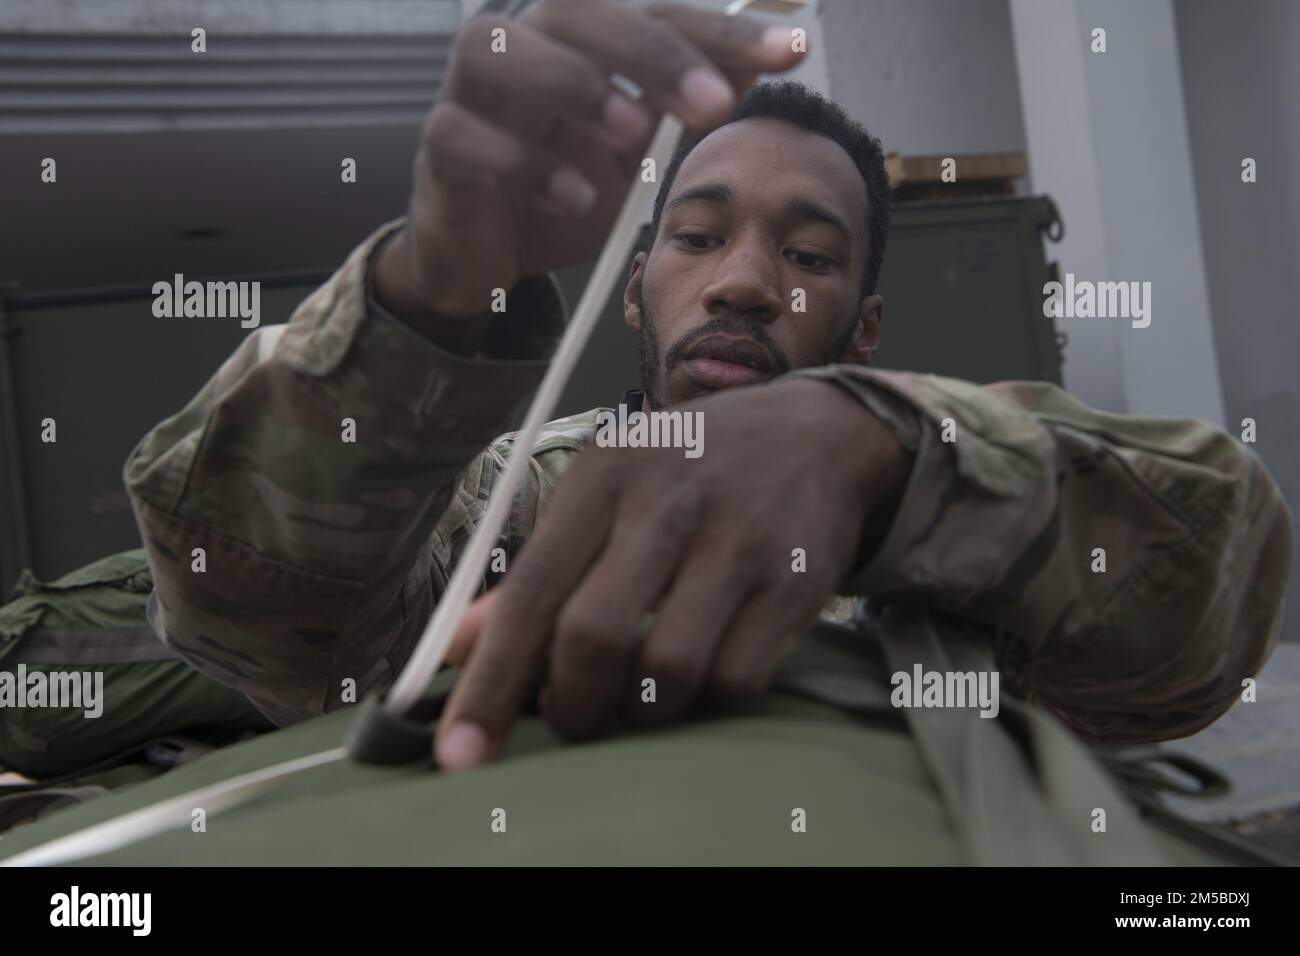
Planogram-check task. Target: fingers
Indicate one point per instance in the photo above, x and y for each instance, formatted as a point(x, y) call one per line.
point(509, 655)
point(536, 80)
point(679, 58)
point(678, 653)
point(471, 628)
point(518, 91)
point(462, 146)
point(598, 634)
point(741, 47)
point(763, 634)
point(720, 632)
point(587, 151)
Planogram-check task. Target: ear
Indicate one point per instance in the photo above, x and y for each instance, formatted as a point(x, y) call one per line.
point(631, 311)
point(866, 337)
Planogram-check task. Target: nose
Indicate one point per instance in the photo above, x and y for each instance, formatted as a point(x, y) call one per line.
point(745, 283)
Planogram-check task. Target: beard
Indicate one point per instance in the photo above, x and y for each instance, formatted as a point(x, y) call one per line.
point(649, 352)
point(751, 328)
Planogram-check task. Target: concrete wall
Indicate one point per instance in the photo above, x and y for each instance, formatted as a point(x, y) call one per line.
point(926, 76)
point(1241, 74)
point(1108, 141)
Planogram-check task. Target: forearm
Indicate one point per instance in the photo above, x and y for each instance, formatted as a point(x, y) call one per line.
point(1016, 495)
point(311, 470)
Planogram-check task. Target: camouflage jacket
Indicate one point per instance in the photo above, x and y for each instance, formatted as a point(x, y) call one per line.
point(323, 558)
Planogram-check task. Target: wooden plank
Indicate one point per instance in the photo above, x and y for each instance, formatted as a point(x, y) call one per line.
point(910, 170)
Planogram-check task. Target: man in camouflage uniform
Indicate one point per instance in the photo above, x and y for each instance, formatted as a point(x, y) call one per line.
point(324, 557)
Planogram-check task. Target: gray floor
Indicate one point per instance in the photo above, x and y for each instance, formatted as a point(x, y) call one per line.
point(1257, 746)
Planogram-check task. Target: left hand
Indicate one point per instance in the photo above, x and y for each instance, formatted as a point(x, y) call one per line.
point(704, 543)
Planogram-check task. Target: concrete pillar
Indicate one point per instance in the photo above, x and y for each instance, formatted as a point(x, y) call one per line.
point(1107, 137)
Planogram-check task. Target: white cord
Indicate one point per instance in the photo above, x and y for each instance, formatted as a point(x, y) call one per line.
point(415, 677)
point(165, 814)
point(436, 639)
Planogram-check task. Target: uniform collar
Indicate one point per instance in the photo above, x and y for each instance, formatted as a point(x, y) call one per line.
point(634, 399)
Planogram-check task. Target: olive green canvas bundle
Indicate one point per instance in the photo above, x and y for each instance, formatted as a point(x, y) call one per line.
point(93, 622)
point(821, 770)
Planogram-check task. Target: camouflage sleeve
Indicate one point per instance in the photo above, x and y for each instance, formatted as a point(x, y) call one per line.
point(1134, 567)
point(311, 470)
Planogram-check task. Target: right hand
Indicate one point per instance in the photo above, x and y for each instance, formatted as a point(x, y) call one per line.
point(527, 154)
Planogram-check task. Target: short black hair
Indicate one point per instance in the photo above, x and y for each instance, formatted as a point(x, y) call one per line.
point(809, 110)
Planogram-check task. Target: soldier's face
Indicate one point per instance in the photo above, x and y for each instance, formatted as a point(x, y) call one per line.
point(757, 265)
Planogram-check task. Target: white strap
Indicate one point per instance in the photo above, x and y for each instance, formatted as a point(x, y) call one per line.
point(166, 814)
point(432, 648)
point(427, 657)
point(415, 677)
point(267, 337)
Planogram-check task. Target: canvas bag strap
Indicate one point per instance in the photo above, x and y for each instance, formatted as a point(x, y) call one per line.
point(1018, 788)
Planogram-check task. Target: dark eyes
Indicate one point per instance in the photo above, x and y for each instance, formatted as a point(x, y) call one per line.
point(695, 241)
point(808, 260)
point(698, 242)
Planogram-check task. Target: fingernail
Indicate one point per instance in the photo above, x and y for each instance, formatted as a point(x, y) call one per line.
point(571, 190)
point(624, 118)
point(777, 41)
point(463, 747)
point(705, 91)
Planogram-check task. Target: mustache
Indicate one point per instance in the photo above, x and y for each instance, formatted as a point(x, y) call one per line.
point(736, 326)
